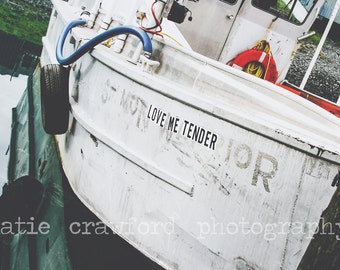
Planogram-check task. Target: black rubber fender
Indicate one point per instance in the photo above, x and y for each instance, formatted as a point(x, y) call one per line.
point(55, 105)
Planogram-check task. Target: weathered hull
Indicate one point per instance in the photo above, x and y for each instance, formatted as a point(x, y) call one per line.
point(143, 158)
point(197, 165)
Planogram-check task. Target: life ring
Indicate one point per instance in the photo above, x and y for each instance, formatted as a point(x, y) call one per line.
point(54, 98)
point(256, 57)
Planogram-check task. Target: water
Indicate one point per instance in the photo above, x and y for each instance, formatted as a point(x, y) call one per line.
point(11, 90)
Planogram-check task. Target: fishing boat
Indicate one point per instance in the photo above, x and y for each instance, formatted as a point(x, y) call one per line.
point(174, 125)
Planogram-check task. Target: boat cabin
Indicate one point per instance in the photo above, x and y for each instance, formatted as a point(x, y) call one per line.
point(222, 29)
point(227, 31)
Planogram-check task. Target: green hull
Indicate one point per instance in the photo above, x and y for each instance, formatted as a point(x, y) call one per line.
point(33, 153)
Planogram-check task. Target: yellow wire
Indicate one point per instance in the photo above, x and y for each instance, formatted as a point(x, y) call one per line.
point(172, 38)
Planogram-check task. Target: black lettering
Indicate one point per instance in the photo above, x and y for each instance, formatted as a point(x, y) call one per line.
point(176, 125)
point(213, 141)
point(185, 126)
point(196, 133)
point(171, 125)
point(190, 130)
point(202, 134)
point(159, 115)
point(163, 120)
point(154, 114)
point(207, 138)
point(149, 111)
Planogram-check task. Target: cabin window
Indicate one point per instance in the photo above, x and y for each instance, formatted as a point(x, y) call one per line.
point(295, 11)
point(231, 2)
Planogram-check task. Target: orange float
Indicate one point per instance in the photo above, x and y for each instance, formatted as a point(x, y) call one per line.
point(257, 61)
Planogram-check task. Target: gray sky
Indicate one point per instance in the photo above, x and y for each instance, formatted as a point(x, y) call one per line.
point(10, 93)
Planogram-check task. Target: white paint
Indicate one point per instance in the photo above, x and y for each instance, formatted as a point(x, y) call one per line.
point(213, 154)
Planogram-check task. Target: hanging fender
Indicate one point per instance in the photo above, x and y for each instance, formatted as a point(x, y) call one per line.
point(259, 56)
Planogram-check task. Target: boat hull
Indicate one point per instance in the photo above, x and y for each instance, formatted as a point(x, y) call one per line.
point(195, 164)
point(185, 187)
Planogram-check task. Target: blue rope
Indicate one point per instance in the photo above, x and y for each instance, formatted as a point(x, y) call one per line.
point(141, 34)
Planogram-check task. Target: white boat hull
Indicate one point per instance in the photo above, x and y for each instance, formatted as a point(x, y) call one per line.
point(202, 200)
point(203, 167)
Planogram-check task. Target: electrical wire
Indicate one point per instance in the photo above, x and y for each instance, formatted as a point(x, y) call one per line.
point(157, 25)
point(172, 38)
